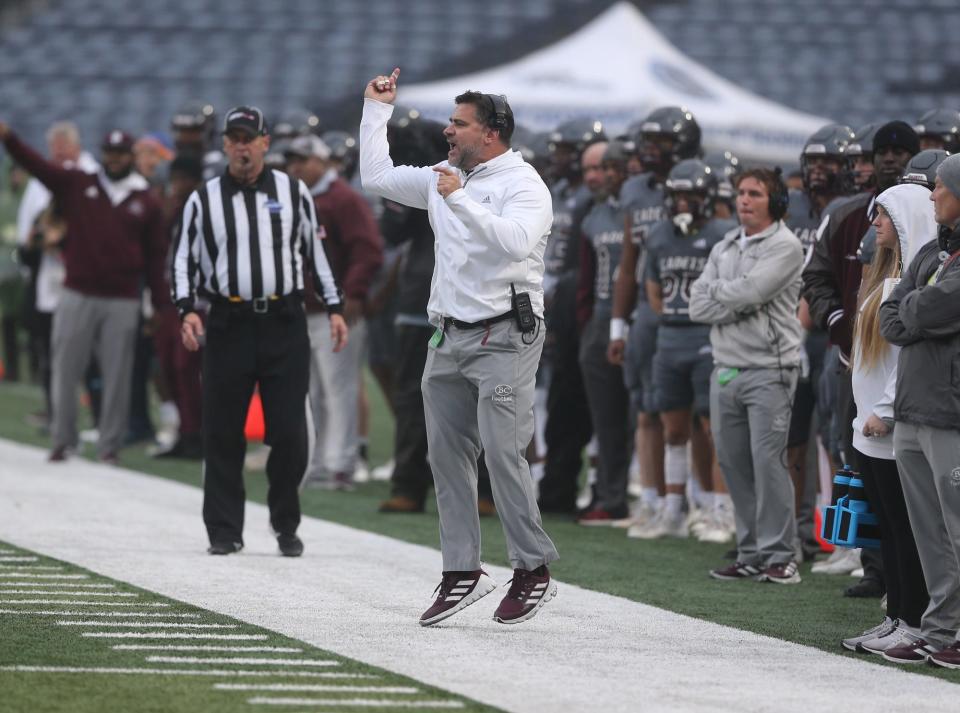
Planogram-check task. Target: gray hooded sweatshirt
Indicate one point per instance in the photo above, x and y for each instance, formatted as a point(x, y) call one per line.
point(749, 291)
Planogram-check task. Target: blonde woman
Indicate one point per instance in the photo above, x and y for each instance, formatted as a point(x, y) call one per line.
point(904, 222)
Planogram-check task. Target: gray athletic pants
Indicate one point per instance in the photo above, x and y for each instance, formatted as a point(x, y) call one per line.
point(480, 395)
point(750, 420)
point(928, 459)
point(83, 326)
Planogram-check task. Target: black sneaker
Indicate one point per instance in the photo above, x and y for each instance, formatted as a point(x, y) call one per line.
point(290, 545)
point(224, 547)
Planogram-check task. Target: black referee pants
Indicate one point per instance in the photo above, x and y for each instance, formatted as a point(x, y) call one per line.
point(243, 350)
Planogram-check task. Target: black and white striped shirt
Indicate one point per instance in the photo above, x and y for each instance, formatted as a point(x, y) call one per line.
point(250, 242)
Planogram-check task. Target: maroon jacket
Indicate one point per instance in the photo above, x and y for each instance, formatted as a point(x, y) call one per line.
point(353, 243)
point(108, 249)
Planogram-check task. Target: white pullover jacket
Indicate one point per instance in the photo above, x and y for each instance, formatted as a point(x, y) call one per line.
point(490, 233)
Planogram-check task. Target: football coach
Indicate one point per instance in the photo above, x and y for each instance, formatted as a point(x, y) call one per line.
point(491, 214)
point(245, 239)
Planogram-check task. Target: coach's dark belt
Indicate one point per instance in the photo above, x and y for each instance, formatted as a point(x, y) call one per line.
point(483, 323)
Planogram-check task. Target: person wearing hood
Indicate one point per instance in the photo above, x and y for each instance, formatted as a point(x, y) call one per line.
point(922, 317)
point(491, 214)
point(904, 223)
point(113, 244)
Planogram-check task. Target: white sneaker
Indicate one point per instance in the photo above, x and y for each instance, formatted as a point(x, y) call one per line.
point(841, 561)
point(697, 520)
point(885, 627)
point(585, 498)
point(666, 525)
point(902, 635)
point(256, 459)
point(384, 471)
point(361, 471)
point(643, 515)
point(857, 573)
point(718, 529)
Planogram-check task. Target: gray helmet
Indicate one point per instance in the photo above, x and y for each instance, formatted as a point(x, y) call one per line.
point(725, 165)
point(691, 176)
point(578, 133)
point(616, 151)
point(296, 122)
point(343, 148)
point(196, 114)
point(943, 124)
point(922, 168)
point(862, 142)
point(830, 141)
point(403, 116)
point(677, 123)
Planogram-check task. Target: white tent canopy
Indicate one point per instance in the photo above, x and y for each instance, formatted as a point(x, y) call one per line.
point(618, 68)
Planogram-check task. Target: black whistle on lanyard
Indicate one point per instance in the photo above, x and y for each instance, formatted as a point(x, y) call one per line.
point(522, 310)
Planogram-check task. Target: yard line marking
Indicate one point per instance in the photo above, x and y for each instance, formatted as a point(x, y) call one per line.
point(312, 687)
point(82, 604)
point(149, 624)
point(171, 635)
point(33, 575)
point(177, 672)
point(200, 647)
point(69, 594)
point(351, 702)
point(8, 552)
point(47, 612)
point(241, 660)
point(64, 585)
point(8, 558)
point(51, 567)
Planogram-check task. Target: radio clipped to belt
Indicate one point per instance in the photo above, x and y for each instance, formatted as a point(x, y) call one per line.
point(522, 310)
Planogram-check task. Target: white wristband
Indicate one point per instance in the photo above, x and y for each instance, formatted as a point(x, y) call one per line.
point(618, 328)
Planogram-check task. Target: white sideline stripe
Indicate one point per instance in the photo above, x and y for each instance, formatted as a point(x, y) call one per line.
point(223, 649)
point(51, 567)
point(83, 604)
point(149, 624)
point(170, 635)
point(62, 585)
point(33, 575)
point(6, 558)
point(351, 702)
point(68, 594)
point(8, 552)
point(613, 633)
point(312, 688)
point(240, 660)
point(176, 672)
point(47, 612)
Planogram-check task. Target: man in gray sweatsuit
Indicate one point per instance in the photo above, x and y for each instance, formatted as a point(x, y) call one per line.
point(922, 316)
point(749, 292)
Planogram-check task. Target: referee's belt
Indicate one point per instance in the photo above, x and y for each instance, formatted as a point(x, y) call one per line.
point(260, 305)
point(483, 323)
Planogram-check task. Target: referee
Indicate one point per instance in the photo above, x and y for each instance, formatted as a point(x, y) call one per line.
point(243, 241)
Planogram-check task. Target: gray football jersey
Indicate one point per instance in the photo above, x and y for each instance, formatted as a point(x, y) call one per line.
point(569, 207)
point(642, 199)
point(676, 260)
point(603, 228)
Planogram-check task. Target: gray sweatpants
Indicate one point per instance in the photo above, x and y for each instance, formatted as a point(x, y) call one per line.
point(928, 459)
point(750, 420)
point(334, 389)
point(84, 326)
point(477, 396)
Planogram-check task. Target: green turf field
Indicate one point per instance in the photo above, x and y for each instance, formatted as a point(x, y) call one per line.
point(670, 574)
point(50, 663)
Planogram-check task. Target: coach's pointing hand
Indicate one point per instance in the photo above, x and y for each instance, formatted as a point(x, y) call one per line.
point(448, 182)
point(382, 88)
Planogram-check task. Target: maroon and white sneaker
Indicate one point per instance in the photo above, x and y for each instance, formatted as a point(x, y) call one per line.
point(781, 573)
point(917, 652)
point(457, 591)
point(735, 571)
point(529, 591)
point(948, 657)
